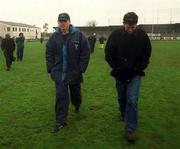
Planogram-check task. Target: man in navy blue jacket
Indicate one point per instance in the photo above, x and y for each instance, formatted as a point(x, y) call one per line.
point(67, 57)
point(8, 47)
point(127, 51)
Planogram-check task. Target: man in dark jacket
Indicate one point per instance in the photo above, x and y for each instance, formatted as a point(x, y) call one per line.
point(67, 57)
point(101, 42)
point(92, 41)
point(8, 47)
point(20, 46)
point(127, 51)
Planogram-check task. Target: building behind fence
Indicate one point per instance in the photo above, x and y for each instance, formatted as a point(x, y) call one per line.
point(155, 31)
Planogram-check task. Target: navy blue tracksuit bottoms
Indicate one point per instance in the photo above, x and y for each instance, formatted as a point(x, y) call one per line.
point(62, 99)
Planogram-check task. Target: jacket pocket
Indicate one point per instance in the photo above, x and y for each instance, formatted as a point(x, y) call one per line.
point(56, 75)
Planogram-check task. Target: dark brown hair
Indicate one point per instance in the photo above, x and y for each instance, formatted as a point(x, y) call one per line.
point(130, 18)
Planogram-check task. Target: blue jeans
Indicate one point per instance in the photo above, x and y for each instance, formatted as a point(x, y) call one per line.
point(20, 52)
point(128, 93)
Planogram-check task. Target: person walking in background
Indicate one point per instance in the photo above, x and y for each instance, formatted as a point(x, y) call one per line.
point(67, 57)
point(92, 41)
point(127, 51)
point(41, 40)
point(101, 42)
point(1, 39)
point(20, 46)
point(8, 47)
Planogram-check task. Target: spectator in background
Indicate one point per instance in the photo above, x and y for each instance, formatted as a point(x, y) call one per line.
point(92, 41)
point(41, 40)
point(101, 42)
point(20, 46)
point(8, 47)
point(1, 39)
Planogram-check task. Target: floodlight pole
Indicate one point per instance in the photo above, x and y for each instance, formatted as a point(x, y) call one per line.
point(171, 16)
point(152, 27)
point(152, 30)
point(157, 16)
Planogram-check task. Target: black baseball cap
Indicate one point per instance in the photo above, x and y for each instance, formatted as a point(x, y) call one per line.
point(63, 17)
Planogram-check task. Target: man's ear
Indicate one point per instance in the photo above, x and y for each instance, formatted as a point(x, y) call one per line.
point(58, 23)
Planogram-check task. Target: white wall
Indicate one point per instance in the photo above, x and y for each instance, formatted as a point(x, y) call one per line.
point(31, 34)
point(2, 30)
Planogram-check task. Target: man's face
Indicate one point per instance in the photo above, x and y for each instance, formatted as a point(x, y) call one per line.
point(130, 28)
point(64, 25)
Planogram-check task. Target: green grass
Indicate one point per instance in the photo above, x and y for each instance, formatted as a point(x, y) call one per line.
point(27, 104)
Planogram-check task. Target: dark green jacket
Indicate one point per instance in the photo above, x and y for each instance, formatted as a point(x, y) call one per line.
point(20, 42)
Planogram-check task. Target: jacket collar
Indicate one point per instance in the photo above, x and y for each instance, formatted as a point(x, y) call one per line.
point(72, 29)
point(125, 33)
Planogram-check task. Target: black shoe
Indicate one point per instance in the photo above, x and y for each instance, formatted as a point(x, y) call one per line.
point(58, 126)
point(130, 136)
point(77, 109)
point(122, 118)
point(14, 59)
